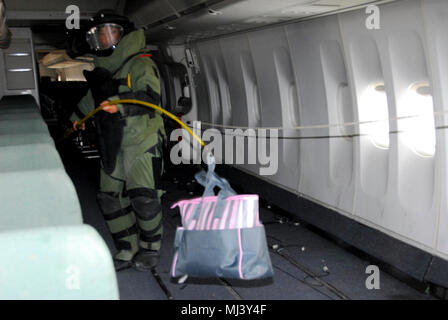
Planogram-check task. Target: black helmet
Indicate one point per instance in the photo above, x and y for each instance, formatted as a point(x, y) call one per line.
point(105, 30)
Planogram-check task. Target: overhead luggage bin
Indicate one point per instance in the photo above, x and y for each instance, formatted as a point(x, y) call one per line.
point(63, 263)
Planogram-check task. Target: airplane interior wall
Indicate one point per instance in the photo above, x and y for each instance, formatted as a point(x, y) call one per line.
point(334, 70)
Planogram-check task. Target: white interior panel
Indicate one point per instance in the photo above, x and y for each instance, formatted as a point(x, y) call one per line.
point(290, 107)
point(435, 15)
point(340, 110)
point(414, 176)
point(278, 98)
point(216, 82)
point(334, 70)
point(415, 190)
point(406, 203)
point(326, 163)
point(373, 161)
point(209, 53)
point(202, 93)
point(244, 96)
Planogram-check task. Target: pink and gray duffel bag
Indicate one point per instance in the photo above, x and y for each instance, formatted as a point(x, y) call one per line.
point(221, 236)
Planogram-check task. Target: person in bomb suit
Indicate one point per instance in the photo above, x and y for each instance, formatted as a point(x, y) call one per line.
point(130, 138)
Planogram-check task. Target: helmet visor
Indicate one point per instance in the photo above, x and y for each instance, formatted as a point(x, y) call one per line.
point(104, 36)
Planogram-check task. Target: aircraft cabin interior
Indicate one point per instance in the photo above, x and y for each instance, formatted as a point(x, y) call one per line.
point(223, 150)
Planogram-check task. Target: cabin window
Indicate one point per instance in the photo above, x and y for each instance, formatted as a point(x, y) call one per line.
point(374, 107)
point(418, 132)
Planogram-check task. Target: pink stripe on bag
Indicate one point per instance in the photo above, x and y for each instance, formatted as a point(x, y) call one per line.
point(210, 218)
point(250, 214)
point(187, 207)
point(240, 215)
point(243, 197)
point(205, 215)
point(215, 224)
point(173, 271)
point(183, 209)
point(190, 210)
point(191, 226)
point(176, 204)
point(224, 216)
point(257, 213)
point(240, 262)
point(201, 215)
point(213, 198)
point(236, 205)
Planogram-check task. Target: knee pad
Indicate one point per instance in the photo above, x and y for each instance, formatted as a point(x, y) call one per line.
point(145, 202)
point(109, 202)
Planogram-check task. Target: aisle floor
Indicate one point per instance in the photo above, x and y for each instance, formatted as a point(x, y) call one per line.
point(299, 260)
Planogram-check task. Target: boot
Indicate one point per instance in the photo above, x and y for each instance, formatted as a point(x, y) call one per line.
point(145, 260)
point(121, 265)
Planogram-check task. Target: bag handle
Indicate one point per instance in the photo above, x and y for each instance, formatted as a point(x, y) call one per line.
point(210, 180)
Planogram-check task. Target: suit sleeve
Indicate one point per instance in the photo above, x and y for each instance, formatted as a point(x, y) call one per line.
point(85, 106)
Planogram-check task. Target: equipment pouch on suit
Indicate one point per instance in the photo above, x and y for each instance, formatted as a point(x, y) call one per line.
point(109, 127)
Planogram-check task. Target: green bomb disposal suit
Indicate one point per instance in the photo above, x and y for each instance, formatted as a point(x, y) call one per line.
point(129, 194)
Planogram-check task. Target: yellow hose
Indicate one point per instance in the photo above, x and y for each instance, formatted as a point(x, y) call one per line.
point(143, 103)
